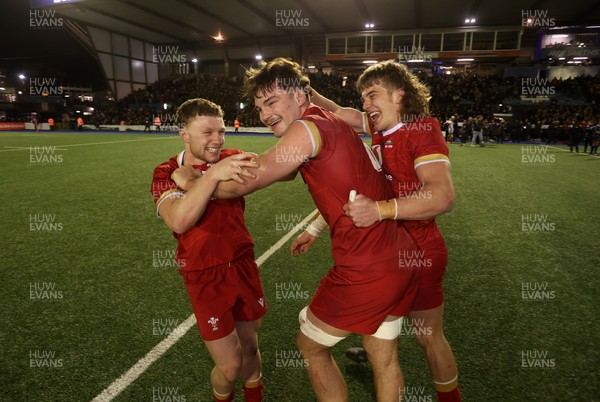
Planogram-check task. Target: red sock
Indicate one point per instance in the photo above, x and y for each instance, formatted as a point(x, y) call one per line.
point(450, 396)
point(448, 391)
point(253, 390)
point(223, 398)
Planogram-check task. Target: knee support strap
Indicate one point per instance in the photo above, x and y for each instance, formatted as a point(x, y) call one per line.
point(389, 329)
point(315, 333)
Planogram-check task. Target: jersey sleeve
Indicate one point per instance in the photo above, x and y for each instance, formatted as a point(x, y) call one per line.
point(163, 186)
point(427, 143)
point(314, 134)
point(367, 125)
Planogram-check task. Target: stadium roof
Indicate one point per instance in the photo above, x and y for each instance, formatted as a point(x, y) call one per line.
point(198, 21)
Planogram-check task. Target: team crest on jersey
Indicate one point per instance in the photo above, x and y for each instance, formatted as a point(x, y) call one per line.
point(261, 301)
point(213, 321)
point(388, 144)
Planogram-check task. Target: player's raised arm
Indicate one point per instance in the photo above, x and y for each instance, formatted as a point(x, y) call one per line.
point(352, 116)
point(182, 210)
point(276, 164)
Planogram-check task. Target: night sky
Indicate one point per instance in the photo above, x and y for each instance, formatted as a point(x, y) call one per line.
point(45, 52)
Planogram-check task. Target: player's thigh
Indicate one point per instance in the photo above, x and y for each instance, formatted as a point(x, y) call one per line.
point(381, 352)
point(317, 336)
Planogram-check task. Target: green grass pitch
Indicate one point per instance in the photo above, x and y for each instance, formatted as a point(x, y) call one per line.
point(87, 287)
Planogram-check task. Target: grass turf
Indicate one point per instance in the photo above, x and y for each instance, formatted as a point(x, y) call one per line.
point(108, 296)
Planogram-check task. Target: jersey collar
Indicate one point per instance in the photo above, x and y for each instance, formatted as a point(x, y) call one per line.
point(393, 129)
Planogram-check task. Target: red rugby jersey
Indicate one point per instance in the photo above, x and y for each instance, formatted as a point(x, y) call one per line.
point(402, 149)
point(219, 236)
point(342, 163)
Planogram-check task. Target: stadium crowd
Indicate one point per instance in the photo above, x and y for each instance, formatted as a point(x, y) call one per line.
point(468, 99)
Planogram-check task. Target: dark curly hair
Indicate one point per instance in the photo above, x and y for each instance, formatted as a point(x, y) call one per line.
point(279, 73)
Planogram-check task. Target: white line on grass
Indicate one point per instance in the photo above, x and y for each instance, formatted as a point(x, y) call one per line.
point(566, 150)
point(54, 148)
point(134, 372)
point(89, 143)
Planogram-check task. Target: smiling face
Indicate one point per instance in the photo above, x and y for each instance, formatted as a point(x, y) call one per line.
point(278, 108)
point(204, 137)
point(383, 108)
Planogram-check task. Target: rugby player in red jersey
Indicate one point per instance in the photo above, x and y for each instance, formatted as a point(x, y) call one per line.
point(333, 161)
point(411, 148)
point(215, 250)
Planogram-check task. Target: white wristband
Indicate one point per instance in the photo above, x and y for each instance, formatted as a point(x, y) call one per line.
point(317, 226)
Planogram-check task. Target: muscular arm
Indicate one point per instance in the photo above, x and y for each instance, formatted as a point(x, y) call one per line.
point(349, 115)
point(182, 212)
point(276, 164)
point(434, 198)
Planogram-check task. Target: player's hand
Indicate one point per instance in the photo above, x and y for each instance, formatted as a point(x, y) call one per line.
point(302, 243)
point(363, 212)
point(309, 90)
point(184, 175)
point(234, 168)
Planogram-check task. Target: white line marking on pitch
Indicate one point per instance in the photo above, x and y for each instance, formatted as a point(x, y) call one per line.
point(42, 147)
point(89, 143)
point(137, 369)
point(566, 150)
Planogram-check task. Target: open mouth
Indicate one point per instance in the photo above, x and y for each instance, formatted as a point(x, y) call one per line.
point(213, 150)
point(374, 116)
point(274, 123)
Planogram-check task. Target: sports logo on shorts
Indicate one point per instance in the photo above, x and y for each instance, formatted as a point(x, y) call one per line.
point(213, 321)
point(261, 301)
